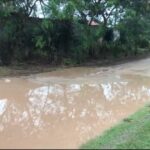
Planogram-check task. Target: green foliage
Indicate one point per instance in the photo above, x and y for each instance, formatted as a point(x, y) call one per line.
point(64, 35)
point(6, 40)
point(40, 43)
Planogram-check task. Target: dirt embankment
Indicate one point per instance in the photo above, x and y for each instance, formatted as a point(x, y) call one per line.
point(27, 69)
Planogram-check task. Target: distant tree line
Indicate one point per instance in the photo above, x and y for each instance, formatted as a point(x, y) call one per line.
point(72, 31)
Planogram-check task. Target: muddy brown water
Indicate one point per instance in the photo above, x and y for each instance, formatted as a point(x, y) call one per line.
point(65, 108)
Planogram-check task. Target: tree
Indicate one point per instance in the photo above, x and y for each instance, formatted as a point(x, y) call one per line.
point(64, 31)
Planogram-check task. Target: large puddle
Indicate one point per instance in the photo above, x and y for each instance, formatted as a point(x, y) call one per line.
point(65, 108)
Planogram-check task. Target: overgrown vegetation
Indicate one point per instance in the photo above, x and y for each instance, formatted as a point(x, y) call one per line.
point(71, 31)
point(131, 133)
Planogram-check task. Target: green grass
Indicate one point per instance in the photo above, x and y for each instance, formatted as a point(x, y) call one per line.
point(131, 133)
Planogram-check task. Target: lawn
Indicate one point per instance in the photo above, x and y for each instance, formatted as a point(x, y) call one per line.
point(131, 133)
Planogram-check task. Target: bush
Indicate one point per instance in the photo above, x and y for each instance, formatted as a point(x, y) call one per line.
point(143, 43)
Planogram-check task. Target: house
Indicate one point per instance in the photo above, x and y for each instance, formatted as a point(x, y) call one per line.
point(93, 23)
point(110, 35)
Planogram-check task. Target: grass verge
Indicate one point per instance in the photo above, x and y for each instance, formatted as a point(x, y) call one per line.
point(131, 133)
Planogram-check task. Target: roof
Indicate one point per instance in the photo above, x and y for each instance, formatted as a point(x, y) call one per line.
point(93, 23)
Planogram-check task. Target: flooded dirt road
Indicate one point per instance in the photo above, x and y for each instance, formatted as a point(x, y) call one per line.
point(65, 108)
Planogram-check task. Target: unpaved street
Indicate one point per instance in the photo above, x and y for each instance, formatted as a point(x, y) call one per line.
point(65, 108)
